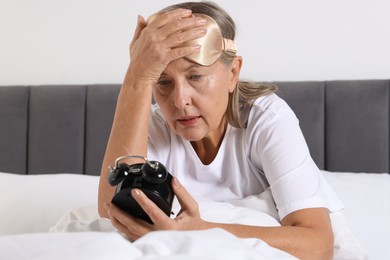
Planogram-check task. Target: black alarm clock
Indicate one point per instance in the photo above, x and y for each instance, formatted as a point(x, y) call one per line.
point(151, 177)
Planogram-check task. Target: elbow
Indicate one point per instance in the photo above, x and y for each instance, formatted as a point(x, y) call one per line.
point(322, 249)
point(325, 246)
point(105, 194)
point(102, 199)
point(329, 246)
point(102, 211)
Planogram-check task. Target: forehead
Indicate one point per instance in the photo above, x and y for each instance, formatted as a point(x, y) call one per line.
point(183, 65)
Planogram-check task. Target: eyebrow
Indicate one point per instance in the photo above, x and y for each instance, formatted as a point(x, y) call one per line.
point(190, 66)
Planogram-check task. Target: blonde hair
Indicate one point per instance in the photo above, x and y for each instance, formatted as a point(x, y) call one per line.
point(241, 99)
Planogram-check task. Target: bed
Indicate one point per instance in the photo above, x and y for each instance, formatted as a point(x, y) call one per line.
point(52, 141)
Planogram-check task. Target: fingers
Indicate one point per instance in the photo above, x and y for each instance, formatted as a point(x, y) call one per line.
point(158, 20)
point(180, 37)
point(151, 209)
point(187, 202)
point(126, 224)
point(174, 28)
point(163, 38)
point(141, 24)
point(187, 219)
point(172, 40)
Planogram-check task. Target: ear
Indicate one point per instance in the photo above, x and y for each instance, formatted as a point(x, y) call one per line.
point(235, 70)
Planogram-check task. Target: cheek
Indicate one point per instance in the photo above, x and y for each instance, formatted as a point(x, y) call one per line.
point(220, 90)
point(163, 104)
point(162, 99)
point(164, 107)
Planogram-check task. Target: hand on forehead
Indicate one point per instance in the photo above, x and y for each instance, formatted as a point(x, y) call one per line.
point(212, 43)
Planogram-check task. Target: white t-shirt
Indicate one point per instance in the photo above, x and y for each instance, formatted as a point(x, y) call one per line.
point(270, 153)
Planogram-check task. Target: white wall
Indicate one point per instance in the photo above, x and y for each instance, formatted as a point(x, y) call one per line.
point(86, 41)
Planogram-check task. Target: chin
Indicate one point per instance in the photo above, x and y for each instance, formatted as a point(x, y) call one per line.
point(190, 135)
point(191, 138)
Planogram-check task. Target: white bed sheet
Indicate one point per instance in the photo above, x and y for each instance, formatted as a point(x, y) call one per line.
point(200, 245)
point(366, 197)
point(46, 198)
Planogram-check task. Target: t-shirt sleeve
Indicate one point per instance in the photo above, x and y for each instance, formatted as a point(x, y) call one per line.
point(281, 153)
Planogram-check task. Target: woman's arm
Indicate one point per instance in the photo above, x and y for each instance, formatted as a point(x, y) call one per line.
point(129, 131)
point(306, 234)
point(154, 45)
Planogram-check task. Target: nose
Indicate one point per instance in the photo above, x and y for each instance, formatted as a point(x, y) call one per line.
point(182, 96)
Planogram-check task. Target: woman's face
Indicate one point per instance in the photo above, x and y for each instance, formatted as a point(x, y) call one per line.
point(194, 98)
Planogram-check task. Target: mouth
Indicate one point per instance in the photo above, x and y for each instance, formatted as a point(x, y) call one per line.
point(188, 120)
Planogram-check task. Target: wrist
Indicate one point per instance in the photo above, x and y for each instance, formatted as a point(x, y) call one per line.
point(206, 225)
point(135, 88)
point(135, 78)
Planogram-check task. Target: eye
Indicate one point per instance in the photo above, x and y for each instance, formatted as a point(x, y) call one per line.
point(195, 77)
point(163, 82)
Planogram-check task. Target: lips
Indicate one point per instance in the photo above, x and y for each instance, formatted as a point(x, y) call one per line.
point(188, 120)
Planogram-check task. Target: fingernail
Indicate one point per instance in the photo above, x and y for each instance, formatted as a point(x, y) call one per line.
point(175, 182)
point(201, 21)
point(140, 19)
point(202, 31)
point(136, 191)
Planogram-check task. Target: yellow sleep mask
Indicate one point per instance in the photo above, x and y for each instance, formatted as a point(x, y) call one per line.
point(212, 44)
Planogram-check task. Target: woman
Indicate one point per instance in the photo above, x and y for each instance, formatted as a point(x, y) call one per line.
point(223, 139)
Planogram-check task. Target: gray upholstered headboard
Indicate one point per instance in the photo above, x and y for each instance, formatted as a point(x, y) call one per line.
point(64, 129)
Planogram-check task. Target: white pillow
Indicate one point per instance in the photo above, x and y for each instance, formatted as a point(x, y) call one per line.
point(34, 203)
